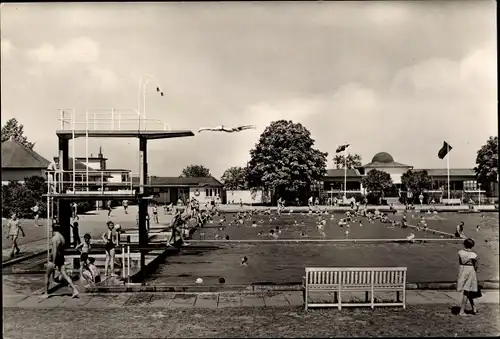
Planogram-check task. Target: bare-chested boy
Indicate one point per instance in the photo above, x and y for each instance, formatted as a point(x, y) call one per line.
point(57, 261)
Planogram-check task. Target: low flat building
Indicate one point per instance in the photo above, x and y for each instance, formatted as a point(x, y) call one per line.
point(462, 180)
point(170, 189)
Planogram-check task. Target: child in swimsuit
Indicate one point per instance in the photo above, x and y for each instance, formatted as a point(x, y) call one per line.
point(76, 234)
point(14, 230)
point(155, 214)
point(111, 240)
point(36, 213)
point(89, 271)
point(84, 247)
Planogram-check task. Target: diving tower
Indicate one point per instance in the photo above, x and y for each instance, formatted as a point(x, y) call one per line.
point(69, 185)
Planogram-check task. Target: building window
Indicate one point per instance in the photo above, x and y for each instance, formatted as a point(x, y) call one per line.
point(209, 192)
point(470, 185)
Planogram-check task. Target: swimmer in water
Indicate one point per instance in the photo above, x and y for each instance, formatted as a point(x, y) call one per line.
point(410, 237)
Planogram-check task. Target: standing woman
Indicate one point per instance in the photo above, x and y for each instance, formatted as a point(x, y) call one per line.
point(467, 277)
point(111, 240)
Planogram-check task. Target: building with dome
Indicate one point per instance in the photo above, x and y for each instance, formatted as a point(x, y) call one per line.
point(461, 179)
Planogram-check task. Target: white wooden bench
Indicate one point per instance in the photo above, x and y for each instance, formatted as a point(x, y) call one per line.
point(452, 201)
point(357, 279)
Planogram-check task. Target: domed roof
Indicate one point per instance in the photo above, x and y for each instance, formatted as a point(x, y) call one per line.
point(383, 157)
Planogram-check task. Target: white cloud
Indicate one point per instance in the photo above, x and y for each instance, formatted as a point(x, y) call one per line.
point(7, 48)
point(475, 75)
point(388, 13)
point(80, 50)
point(105, 77)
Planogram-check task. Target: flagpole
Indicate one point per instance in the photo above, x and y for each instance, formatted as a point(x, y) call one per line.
point(345, 173)
point(448, 168)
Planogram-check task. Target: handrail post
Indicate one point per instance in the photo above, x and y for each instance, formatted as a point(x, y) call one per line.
point(102, 181)
point(123, 261)
point(119, 121)
point(87, 148)
point(73, 151)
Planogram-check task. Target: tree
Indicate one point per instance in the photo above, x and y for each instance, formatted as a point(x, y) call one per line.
point(284, 160)
point(37, 185)
point(353, 161)
point(12, 128)
point(17, 198)
point(417, 181)
point(193, 171)
point(487, 162)
point(235, 178)
point(377, 181)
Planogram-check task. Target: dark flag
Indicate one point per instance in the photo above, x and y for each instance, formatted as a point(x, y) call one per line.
point(341, 148)
point(444, 150)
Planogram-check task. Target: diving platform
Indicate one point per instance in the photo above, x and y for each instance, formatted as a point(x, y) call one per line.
point(92, 195)
point(66, 185)
point(142, 134)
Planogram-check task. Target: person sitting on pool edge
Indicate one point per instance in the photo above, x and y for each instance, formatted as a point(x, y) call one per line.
point(89, 270)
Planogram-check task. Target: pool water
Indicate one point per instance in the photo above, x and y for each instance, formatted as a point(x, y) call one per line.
point(300, 226)
point(283, 263)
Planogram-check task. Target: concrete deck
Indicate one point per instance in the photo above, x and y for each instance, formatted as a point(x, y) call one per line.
point(62, 299)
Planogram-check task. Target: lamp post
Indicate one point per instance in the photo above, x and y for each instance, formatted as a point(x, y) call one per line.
point(144, 80)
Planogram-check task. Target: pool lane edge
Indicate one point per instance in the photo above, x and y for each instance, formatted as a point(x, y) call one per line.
point(485, 285)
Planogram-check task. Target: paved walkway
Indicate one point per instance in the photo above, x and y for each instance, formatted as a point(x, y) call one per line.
point(62, 298)
point(32, 247)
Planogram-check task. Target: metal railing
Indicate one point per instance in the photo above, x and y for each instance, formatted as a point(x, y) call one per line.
point(108, 119)
point(86, 181)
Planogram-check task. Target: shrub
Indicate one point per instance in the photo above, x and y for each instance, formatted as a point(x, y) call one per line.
point(17, 198)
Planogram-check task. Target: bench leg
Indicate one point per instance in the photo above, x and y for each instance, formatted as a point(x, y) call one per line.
point(304, 295)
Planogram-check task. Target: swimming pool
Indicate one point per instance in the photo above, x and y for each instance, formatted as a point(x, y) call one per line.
point(283, 263)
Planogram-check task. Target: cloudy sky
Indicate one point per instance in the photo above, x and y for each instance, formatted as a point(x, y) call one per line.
point(399, 77)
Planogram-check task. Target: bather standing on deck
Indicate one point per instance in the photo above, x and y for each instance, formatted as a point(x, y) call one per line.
point(57, 262)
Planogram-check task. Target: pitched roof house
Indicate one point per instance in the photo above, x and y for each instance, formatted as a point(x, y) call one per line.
point(20, 162)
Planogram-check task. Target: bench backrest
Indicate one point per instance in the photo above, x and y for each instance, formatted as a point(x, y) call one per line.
point(356, 276)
